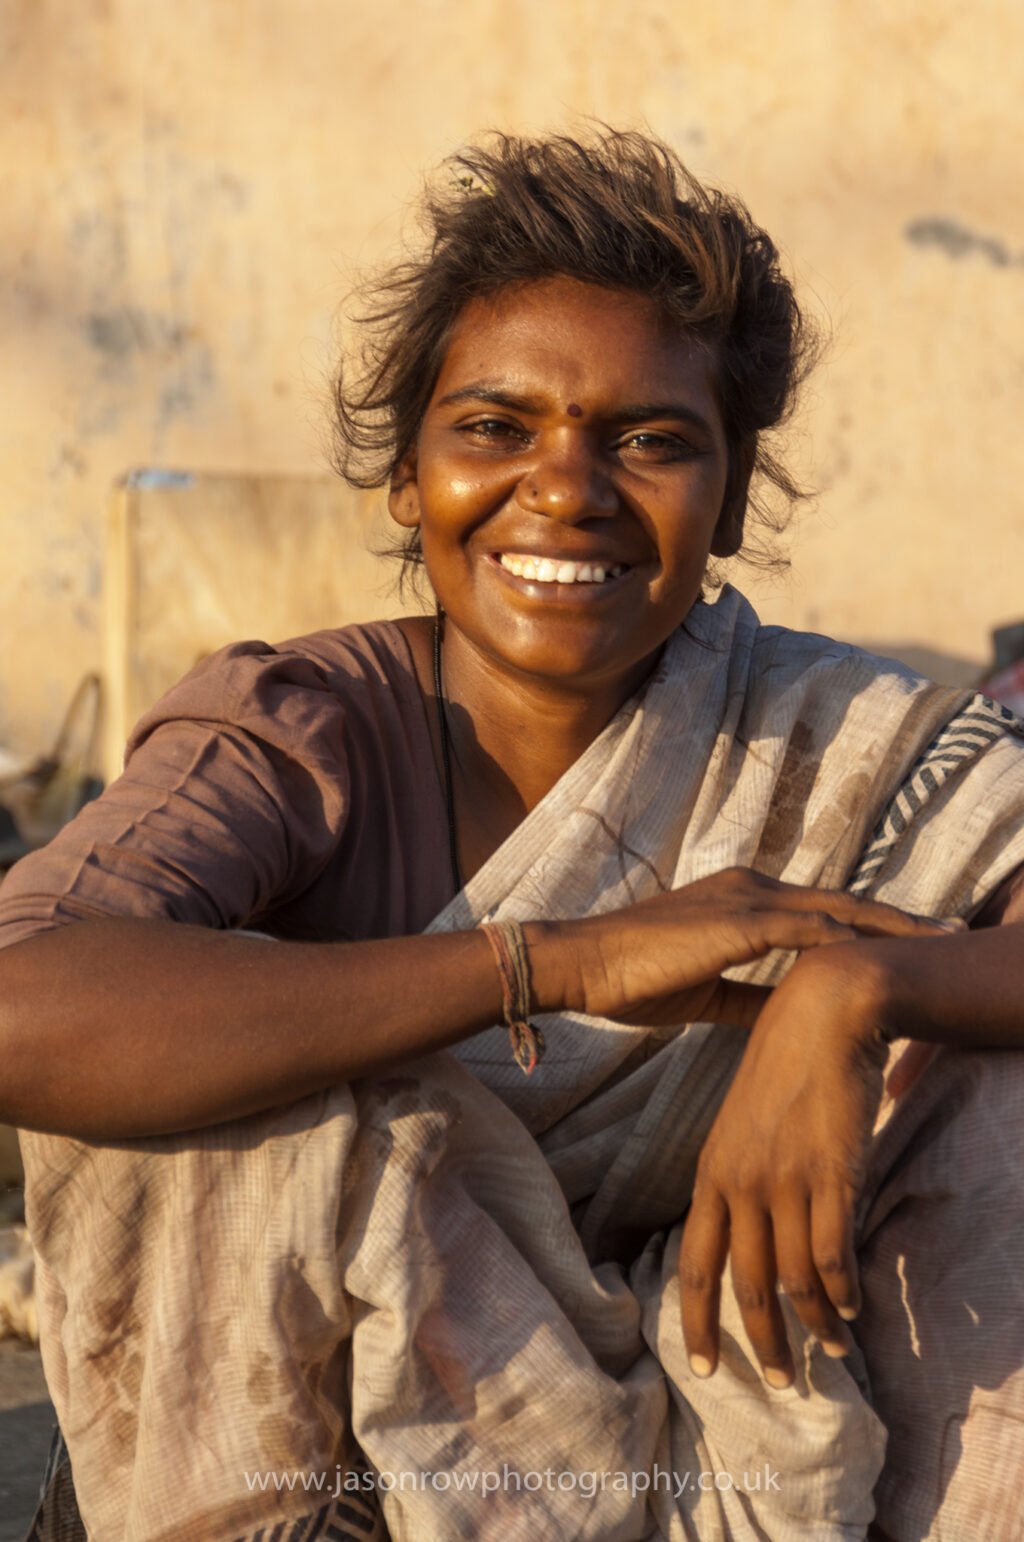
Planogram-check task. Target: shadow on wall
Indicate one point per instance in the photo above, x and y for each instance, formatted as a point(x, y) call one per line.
point(1002, 678)
point(944, 668)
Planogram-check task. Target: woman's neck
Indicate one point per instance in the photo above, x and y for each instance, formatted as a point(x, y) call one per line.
point(510, 739)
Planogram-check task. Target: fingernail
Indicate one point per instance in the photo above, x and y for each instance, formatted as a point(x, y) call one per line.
point(847, 1313)
point(777, 1379)
point(952, 926)
point(700, 1365)
point(834, 1349)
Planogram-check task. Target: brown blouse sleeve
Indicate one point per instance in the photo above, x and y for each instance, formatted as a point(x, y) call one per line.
point(234, 795)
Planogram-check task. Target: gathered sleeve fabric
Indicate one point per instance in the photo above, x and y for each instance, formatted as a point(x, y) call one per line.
point(233, 796)
point(252, 794)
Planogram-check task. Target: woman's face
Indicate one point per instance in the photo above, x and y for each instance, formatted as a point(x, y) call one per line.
point(568, 482)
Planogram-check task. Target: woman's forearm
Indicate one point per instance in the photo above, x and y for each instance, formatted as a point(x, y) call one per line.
point(126, 1027)
point(964, 990)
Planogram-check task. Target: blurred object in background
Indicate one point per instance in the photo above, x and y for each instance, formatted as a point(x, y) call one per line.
point(12, 1198)
point(17, 1280)
point(1006, 682)
point(11, 844)
point(38, 796)
point(195, 560)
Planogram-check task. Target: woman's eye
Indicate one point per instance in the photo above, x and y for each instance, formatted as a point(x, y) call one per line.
point(493, 431)
point(655, 445)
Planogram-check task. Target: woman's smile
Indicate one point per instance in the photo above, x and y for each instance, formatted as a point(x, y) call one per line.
point(567, 545)
point(593, 578)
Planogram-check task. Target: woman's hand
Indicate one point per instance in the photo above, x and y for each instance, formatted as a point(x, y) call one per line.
point(659, 963)
point(782, 1167)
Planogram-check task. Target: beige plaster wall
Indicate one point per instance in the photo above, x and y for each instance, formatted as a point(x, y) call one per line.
point(184, 188)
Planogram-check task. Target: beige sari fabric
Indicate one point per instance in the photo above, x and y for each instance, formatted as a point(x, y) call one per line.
point(468, 1277)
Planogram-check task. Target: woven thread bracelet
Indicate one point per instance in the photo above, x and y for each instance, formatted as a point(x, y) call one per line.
point(509, 948)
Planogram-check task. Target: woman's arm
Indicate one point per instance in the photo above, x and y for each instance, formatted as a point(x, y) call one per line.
point(783, 1164)
point(114, 1028)
point(133, 1027)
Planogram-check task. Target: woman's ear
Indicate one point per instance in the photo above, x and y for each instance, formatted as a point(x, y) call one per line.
point(728, 537)
point(404, 493)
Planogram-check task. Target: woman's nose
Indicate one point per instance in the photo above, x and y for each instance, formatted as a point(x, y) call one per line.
point(567, 482)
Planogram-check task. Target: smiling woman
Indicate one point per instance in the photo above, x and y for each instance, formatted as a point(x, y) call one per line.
point(502, 476)
point(303, 1227)
point(621, 214)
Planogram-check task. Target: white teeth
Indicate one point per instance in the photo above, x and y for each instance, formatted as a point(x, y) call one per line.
point(549, 570)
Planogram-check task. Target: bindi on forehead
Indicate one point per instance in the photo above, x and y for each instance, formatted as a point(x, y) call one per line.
point(574, 411)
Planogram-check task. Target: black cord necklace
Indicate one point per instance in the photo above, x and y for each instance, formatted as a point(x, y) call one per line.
point(442, 723)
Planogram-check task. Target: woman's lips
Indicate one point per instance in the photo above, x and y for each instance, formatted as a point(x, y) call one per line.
point(558, 570)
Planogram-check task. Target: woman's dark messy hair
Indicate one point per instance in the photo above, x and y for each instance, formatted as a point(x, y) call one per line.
point(618, 209)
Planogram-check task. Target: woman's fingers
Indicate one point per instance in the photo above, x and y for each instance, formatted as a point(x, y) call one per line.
point(734, 1003)
point(872, 918)
point(634, 961)
point(754, 1277)
point(780, 1171)
point(702, 1256)
point(804, 1245)
point(744, 889)
point(800, 1276)
point(832, 1247)
point(706, 941)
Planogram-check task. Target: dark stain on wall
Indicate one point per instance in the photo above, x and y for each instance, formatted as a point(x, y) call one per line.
point(958, 241)
point(126, 338)
point(120, 332)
